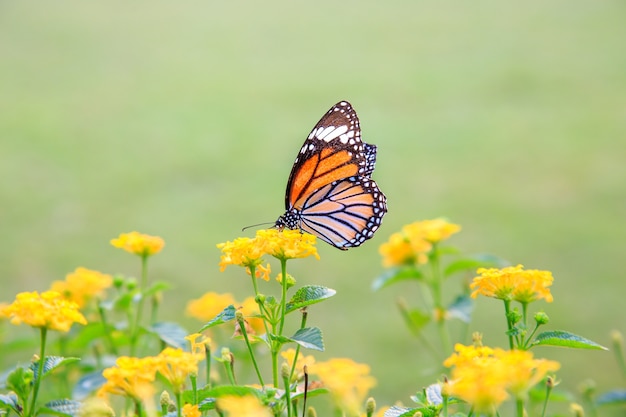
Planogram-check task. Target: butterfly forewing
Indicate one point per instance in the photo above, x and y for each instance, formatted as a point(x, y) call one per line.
point(329, 192)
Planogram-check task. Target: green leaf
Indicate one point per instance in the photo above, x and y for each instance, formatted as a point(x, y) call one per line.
point(11, 401)
point(87, 334)
point(310, 393)
point(309, 337)
point(474, 262)
point(62, 408)
point(226, 315)
point(396, 411)
point(612, 398)
point(20, 381)
point(88, 384)
point(171, 333)
point(157, 287)
point(461, 308)
point(51, 363)
point(307, 295)
point(415, 319)
point(565, 339)
point(395, 275)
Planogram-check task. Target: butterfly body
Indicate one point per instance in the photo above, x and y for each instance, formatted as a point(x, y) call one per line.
point(330, 192)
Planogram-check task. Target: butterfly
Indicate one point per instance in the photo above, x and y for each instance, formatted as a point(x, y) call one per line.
point(330, 192)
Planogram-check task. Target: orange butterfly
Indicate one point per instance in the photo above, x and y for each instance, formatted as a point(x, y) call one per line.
point(330, 192)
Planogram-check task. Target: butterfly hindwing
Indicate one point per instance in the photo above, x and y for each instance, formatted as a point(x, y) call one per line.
point(329, 192)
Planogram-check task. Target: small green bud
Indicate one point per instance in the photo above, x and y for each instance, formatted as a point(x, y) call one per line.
point(514, 316)
point(285, 371)
point(577, 410)
point(541, 318)
point(165, 399)
point(260, 299)
point(239, 316)
point(118, 281)
point(310, 412)
point(370, 406)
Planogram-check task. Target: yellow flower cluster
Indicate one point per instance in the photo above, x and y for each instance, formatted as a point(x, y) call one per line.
point(513, 283)
point(139, 243)
point(130, 377)
point(176, 365)
point(133, 377)
point(46, 310)
point(412, 244)
point(286, 244)
point(485, 377)
point(348, 381)
point(82, 284)
point(242, 406)
point(211, 304)
point(301, 362)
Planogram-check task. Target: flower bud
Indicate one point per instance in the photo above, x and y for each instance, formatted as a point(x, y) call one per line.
point(370, 406)
point(541, 318)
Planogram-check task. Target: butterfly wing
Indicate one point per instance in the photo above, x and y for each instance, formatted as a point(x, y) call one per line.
point(344, 213)
point(329, 192)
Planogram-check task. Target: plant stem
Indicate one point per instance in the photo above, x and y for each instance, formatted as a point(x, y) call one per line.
point(520, 408)
point(295, 358)
point(507, 308)
point(142, 287)
point(242, 328)
point(107, 333)
point(42, 360)
point(179, 402)
point(437, 283)
point(283, 301)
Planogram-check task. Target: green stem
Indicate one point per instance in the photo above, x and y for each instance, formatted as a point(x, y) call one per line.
point(287, 395)
point(242, 327)
point(253, 276)
point(507, 309)
point(42, 360)
point(179, 403)
point(437, 283)
point(283, 301)
point(230, 372)
point(275, 365)
point(295, 358)
point(107, 334)
point(142, 287)
point(194, 388)
point(207, 352)
point(520, 408)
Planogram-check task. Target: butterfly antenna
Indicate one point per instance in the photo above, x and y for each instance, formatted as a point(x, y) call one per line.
point(306, 389)
point(257, 225)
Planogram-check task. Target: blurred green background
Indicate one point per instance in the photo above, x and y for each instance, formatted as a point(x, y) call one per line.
point(183, 119)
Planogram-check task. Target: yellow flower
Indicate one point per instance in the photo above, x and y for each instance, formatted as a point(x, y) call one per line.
point(130, 377)
point(250, 310)
point(302, 361)
point(176, 365)
point(244, 406)
point(485, 377)
point(95, 407)
point(48, 309)
point(191, 411)
point(138, 243)
point(198, 347)
point(243, 251)
point(261, 271)
point(402, 249)
point(431, 230)
point(287, 244)
point(524, 371)
point(348, 382)
point(82, 284)
point(412, 244)
point(209, 305)
point(513, 283)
